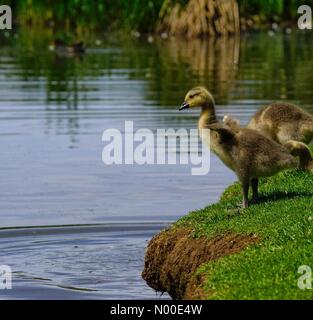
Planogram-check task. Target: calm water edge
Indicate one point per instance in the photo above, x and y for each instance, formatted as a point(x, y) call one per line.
point(85, 225)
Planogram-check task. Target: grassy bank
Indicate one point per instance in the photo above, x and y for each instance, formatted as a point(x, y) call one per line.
point(226, 252)
point(283, 222)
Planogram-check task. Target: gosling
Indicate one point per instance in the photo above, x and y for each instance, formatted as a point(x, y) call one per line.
point(251, 156)
point(296, 148)
point(282, 122)
point(245, 151)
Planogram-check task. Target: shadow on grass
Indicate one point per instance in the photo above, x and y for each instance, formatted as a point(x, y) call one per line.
point(277, 196)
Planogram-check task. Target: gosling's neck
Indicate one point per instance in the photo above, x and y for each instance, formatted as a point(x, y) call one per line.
point(207, 116)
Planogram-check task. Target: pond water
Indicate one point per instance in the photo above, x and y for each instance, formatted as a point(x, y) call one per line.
point(73, 227)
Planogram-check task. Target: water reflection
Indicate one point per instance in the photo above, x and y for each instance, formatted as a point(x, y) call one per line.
point(212, 62)
point(169, 67)
point(53, 110)
point(52, 104)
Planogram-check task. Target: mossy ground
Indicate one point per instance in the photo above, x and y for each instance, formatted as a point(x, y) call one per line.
point(283, 220)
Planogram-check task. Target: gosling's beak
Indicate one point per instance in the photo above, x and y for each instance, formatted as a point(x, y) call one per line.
point(185, 105)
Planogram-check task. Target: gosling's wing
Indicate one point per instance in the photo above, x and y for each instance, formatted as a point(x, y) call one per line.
point(223, 131)
point(231, 122)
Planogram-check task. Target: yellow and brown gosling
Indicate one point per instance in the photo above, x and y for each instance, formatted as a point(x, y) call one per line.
point(250, 155)
point(201, 97)
point(245, 151)
point(282, 122)
point(296, 148)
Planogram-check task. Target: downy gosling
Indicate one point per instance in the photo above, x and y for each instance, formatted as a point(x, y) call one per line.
point(245, 151)
point(296, 148)
point(282, 122)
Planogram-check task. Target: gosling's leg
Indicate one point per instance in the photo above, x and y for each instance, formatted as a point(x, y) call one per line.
point(255, 193)
point(245, 192)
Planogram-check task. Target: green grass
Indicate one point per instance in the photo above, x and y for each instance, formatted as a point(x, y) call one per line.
point(136, 14)
point(283, 221)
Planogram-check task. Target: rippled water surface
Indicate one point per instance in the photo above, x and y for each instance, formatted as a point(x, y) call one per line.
point(53, 111)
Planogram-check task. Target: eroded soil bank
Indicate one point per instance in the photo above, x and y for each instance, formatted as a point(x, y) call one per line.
point(174, 255)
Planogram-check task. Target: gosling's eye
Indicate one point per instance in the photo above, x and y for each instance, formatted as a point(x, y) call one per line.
point(193, 95)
